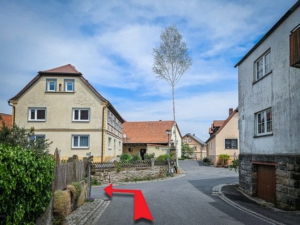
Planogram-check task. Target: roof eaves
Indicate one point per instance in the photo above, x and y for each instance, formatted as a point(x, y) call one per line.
point(279, 22)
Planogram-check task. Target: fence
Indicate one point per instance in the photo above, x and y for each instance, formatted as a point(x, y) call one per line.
point(139, 164)
point(65, 174)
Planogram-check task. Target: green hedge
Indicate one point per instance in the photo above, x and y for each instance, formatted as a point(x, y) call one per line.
point(25, 184)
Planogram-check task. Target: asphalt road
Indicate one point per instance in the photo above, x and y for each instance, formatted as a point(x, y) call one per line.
point(186, 200)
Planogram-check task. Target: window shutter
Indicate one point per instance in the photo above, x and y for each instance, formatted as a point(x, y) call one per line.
point(295, 47)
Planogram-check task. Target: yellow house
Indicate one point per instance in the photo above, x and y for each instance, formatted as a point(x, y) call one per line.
point(224, 138)
point(150, 137)
point(66, 109)
point(196, 144)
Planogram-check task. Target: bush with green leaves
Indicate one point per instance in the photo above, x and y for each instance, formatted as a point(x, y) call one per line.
point(163, 157)
point(125, 157)
point(136, 157)
point(186, 150)
point(149, 156)
point(25, 183)
point(206, 160)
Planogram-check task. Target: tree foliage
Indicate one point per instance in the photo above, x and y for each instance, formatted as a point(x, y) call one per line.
point(25, 184)
point(186, 149)
point(17, 136)
point(171, 60)
point(26, 173)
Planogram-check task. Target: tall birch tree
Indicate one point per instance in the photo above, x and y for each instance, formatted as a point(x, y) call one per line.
point(171, 60)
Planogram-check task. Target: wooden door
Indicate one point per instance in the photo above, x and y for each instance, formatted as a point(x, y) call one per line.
point(266, 183)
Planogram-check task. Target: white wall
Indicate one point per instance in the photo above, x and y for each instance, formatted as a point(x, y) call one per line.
point(279, 90)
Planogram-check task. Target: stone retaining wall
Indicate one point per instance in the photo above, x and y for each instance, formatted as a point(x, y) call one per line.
point(287, 178)
point(106, 176)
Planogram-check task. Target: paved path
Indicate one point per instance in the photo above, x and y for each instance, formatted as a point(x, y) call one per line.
point(201, 195)
point(186, 200)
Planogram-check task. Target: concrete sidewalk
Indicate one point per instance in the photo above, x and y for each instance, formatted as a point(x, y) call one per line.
point(255, 206)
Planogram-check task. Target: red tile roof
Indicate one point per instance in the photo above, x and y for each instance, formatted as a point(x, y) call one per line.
point(69, 69)
point(223, 125)
point(147, 131)
point(66, 70)
point(7, 120)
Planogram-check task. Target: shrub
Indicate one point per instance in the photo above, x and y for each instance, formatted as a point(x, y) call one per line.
point(235, 165)
point(149, 156)
point(25, 183)
point(136, 157)
point(163, 157)
point(125, 157)
point(77, 186)
point(223, 158)
point(95, 182)
point(206, 160)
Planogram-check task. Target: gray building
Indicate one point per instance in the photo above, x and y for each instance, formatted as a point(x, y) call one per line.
point(269, 114)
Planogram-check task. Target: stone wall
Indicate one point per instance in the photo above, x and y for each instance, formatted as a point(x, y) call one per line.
point(287, 178)
point(106, 176)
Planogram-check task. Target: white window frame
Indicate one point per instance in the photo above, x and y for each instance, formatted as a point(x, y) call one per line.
point(48, 81)
point(66, 81)
point(262, 126)
point(79, 115)
point(79, 136)
point(264, 62)
point(35, 114)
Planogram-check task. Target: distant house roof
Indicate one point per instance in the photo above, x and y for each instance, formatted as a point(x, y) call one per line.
point(66, 70)
point(223, 125)
point(215, 126)
point(149, 132)
point(195, 138)
point(280, 21)
point(7, 120)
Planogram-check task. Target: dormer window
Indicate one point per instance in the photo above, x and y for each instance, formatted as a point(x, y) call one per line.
point(69, 85)
point(51, 85)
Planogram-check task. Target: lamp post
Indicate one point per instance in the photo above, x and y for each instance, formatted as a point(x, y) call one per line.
point(168, 132)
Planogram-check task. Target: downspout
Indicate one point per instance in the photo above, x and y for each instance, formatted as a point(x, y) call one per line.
point(14, 110)
point(103, 131)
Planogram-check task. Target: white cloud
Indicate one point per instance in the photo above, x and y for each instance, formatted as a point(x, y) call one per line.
point(111, 43)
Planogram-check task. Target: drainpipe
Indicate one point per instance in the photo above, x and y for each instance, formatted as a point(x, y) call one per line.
point(14, 111)
point(103, 131)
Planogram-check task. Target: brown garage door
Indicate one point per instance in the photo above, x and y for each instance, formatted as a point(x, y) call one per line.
point(266, 182)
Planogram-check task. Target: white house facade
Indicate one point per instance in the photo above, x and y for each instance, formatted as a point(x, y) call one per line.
point(269, 114)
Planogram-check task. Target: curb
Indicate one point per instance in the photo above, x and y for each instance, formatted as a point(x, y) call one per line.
point(217, 191)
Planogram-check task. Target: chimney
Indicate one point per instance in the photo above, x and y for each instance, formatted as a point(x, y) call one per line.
point(230, 111)
point(193, 134)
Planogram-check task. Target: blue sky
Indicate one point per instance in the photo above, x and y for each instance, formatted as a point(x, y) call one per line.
point(111, 43)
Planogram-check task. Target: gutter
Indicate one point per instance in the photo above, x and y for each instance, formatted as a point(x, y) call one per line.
point(14, 111)
point(103, 131)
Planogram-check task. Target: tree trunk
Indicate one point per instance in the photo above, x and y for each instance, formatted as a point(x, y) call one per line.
point(176, 144)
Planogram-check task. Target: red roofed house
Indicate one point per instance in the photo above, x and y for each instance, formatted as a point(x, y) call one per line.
point(7, 120)
point(149, 137)
point(65, 108)
point(224, 138)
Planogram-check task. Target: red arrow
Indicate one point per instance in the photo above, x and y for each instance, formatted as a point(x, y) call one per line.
point(141, 209)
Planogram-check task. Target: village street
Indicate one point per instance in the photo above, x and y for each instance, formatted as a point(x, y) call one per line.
point(185, 200)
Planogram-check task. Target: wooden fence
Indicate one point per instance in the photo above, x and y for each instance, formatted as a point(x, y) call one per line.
point(66, 173)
